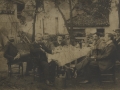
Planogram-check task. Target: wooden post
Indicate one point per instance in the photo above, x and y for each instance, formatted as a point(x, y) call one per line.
point(11, 27)
point(119, 12)
point(16, 33)
point(71, 23)
point(33, 34)
point(56, 25)
point(43, 27)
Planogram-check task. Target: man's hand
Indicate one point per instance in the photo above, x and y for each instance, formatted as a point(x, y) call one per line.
point(17, 56)
point(119, 43)
point(57, 62)
point(42, 50)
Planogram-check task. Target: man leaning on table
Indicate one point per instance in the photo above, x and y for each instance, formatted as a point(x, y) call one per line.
point(52, 64)
point(96, 48)
point(38, 51)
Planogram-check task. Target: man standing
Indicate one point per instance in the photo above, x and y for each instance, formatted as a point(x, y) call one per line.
point(98, 44)
point(117, 42)
point(38, 51)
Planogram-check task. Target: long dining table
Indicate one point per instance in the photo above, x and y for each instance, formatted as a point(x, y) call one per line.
point(67, 54)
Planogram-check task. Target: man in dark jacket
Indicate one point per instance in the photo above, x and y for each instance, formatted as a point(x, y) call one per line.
point(13, 56)
point(39, 52)
point(107, 58)
point(11, 52)
point(52, 64)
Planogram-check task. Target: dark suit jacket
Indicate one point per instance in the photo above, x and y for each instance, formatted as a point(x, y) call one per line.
point(116, 42)
point(36, 52)
point(107, 57)
point(49, 46)
point(10, 51)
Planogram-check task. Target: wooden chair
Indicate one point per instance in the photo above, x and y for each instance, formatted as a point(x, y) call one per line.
point(108, 76)
point(18, 66)
point(105, 76)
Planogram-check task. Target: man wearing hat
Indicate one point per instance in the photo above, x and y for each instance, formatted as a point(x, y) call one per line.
point(117, 42)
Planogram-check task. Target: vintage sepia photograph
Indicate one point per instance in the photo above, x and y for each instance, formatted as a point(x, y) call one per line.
point(59, 44)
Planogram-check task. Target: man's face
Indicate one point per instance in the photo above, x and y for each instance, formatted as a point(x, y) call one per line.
point(67, 37)
point(46, 37)
point(38, 38)
point(95, 37)
point(117, 34)
point(59, 38)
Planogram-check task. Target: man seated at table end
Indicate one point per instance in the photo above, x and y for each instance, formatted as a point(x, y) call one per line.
point(105, 59)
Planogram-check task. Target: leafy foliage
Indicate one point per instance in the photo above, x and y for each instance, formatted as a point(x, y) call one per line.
point(97, 8)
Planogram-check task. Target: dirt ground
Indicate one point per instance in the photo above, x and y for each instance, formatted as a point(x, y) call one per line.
point(27, 82)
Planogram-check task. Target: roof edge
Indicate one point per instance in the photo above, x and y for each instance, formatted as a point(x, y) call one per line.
point(18, 1)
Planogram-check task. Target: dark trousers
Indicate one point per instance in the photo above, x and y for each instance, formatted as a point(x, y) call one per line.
point(52, 70)
point(24, 58)
point(44, 70)
point(48, 70)
point(86, 66)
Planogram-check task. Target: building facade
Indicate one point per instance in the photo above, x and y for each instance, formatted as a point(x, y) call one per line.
point(50, 20)
point(9, 23)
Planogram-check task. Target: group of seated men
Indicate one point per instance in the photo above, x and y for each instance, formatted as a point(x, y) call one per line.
point(38, 50)
point(104, 53)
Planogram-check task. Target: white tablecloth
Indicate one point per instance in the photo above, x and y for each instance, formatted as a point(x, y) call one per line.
point(67, 54)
